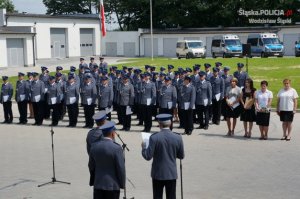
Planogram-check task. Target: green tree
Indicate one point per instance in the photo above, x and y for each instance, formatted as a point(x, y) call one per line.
point(8, 5)
point(69, 6)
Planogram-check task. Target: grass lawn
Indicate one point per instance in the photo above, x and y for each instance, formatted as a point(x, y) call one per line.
point(274, 70)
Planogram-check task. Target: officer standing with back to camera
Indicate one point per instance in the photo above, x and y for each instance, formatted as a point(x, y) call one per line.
point(5, 99)
point(22, 97)
point(105, 96)
point(95, 134)
point(89, 94)
point(71, 100)
point(37, 97)
point(164, 147)
point(148, 100)
point(126, 100)
point(107, 165)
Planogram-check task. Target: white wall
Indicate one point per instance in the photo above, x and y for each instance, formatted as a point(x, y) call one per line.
point(120, 37)
point(28, 49)
point(72, 27)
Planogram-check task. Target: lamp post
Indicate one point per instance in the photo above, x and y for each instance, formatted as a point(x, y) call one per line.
point(151, 29)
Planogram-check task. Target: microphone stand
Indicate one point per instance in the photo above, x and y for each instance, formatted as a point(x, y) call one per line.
point(124, 146)
point(53, 166)
point(181, 183)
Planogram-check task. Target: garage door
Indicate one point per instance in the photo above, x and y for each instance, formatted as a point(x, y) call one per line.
point(147, 47)
point(86, 41)
point(58, 42)
point(111, 49)
point(208, 46)
point(170, 47)
point(129, 49)
point(15, 52)
point(289, 43)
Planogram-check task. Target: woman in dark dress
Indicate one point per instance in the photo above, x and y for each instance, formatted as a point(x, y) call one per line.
point(248, 108)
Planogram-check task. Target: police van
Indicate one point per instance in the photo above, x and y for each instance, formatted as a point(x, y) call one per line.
point(265, 45)
point(190, 49)
point(297, 48)
point(226, 46)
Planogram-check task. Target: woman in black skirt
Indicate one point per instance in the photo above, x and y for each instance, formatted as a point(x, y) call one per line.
point(247, 107)
point(233, 98)
point(263, 100)
point(286, 108)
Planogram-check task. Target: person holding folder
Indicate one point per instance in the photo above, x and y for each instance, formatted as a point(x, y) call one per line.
point(5, 99)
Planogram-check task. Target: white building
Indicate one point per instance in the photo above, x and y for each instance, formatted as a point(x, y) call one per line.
point(25, 38)
point(138, 43)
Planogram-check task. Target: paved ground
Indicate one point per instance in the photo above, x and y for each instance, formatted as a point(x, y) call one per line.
point(52, 63)
point(215, 167)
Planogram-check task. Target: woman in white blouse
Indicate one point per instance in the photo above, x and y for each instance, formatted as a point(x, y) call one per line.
point(286, 108)
point(263, 100)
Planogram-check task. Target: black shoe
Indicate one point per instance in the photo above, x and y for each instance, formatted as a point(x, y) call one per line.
point(20, 123)
point(127, 129)
point(205, 128)
point(140, 124)
point(200, 127)
point(34, 124)
point(85, 126)
point(39, 124)
point(24, 122)
point(189, 132)
point(9, 122)
point(123, 129)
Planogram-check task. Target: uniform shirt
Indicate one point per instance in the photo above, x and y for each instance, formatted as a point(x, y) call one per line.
point(22, 90)
point(107, 165)
point(241, 76)
point(6, 92)
point(54, 94)
point(187, 94)
point(106, 96)
point(88, 91)
point(72, 90)
point(164, 147)
point(227, 81)
point(126, 94)
point(94, 135)
point(217, 85)
point(203, 93)
point(286, 98)
point(148, 91)
point(37, 91)
point(167, 94)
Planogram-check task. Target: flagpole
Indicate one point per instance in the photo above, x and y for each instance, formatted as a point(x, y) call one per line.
point(100, 28)
point(151, 29)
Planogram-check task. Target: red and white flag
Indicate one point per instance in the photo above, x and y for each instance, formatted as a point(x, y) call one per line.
point(102, 18)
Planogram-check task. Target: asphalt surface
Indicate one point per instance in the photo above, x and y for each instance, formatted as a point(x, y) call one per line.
point(215, 166)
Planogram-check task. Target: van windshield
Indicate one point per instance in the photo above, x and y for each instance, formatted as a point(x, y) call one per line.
point(195, 44)
point(271, 41)
point(232, 42)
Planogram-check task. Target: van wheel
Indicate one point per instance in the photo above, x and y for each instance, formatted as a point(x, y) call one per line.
point(263, 55)
point(187, 56)
point(213, 55)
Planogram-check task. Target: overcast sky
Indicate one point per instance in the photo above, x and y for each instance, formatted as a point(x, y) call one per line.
point(30, 6)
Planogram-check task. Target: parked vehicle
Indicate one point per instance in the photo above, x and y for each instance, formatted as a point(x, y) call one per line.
point(297, 48)
point(265, 45)
point(190, 49)
point(226, 46)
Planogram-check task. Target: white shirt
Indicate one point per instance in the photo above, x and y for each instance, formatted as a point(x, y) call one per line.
point(263, 98)
point(286, 98)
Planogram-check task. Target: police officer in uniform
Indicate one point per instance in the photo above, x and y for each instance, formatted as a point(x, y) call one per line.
point(71, 100)
point(107, 178)
point(44, 77)
point(59, 70)
point(186, 104)
point(126, 101)
point(203, 99)
point(37, 97)
point(103, 64)
point(227, 82)
point(29, 82)
point(89, 94)
point(148, 100)
point(164, 147)
point(240, 75)
point(217, 84)
point(105, 96)
point(92, 64)
point(168, 97)
point(61, 103)
point(53, 99)
point(5, 99)
point(22, 97)
point(95, 134)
